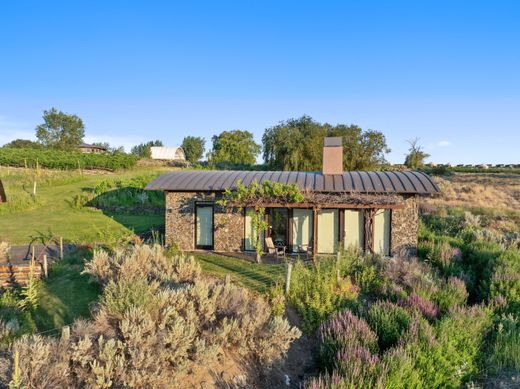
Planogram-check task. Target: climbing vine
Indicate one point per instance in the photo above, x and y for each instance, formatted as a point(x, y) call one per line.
point(255, 195)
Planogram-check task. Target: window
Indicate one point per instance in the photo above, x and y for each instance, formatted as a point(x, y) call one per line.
point(354, 229)
point(301, 229)
point(327, 230)
point(382, 232)
point(204, 227)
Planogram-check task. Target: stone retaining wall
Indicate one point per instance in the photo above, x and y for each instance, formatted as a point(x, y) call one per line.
point(405, 226)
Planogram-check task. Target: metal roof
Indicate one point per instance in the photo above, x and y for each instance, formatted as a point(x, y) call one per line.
point(410, 182)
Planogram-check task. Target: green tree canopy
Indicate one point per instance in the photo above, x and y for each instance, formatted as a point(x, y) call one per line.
point(233, 148)
point(60, 130)
point(416, 155)
point(297, 144)
point(23, 144)
point(143, 150)
point(193, 147)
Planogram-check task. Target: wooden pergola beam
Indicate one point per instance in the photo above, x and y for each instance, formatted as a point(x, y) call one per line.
point(323, 206)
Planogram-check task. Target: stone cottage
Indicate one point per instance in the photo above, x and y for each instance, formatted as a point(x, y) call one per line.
point(373, 211)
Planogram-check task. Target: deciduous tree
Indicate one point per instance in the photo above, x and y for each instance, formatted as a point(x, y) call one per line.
point(193, 147)
point(60, 130)
point(143, 150)
point(296, 144)
point(416, 155)
point(232, 148)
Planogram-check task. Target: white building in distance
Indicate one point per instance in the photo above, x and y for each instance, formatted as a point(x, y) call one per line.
point(168, 153)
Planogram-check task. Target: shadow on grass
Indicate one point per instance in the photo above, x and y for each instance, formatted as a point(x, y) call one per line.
point(66, 295)
point(258, 277)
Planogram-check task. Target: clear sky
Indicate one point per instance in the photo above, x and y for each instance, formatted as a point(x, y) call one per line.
point(447, 72)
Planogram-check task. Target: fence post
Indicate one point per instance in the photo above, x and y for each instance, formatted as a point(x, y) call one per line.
point(65, 333)
point(227, 279)
point(288, 277)
point(45, 266)
point(61, 247)
point(32, 254)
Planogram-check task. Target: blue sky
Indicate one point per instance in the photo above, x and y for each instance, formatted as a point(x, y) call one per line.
point(446, 72)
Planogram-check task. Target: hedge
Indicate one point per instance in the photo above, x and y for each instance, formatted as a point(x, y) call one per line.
point(56, 159)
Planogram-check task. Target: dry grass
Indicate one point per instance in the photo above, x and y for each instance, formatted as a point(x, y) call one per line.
point(499, 191)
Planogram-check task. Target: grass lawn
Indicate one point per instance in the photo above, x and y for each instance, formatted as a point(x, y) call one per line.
point(257, 277)
point(66, 294)
point(25, 218)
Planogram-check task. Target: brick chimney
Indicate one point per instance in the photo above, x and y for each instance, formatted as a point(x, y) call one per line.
point(333, 155)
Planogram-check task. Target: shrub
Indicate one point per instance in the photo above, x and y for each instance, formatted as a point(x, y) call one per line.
point(400, 370)
point(360, 368)
point(315, 291)
point(342, 330)
point(504, 351)
point(389, 321)
point(452, 294)
point(407, 275)
point(57, 159)
point(154, 322)
point(277, 297)
point(506, 279)
point(449, 357)
point(420, 304)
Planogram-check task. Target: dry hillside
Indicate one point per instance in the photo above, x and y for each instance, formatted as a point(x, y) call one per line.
point(499, 191)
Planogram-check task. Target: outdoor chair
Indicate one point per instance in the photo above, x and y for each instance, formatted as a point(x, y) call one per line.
point(306, 250)
point(278, 251)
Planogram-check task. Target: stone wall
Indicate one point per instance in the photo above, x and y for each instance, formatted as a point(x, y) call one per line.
point(180, 222)
point(229, 226)
point(405, 226)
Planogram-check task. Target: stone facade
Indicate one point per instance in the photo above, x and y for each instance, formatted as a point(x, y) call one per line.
point(405, 226)
point(229, 228)
point(180, 222)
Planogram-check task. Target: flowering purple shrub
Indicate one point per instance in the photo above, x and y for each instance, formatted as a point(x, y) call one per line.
point(420, 304)
point(452, 294)
point(342, 330)
point(357, 367)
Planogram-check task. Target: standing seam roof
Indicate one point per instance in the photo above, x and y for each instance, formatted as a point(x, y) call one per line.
point(363, 182)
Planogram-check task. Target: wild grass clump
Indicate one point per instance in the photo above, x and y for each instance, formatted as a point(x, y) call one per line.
point(504, 350)
point(156, 319)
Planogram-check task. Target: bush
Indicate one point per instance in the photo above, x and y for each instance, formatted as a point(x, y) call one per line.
point(389, 321)
point(342, 330)
point(506, 279)
point(449, 357)
point(315, 291)
point(155, 321)
point(420, 304)
point(57, 159)
point(452, 294)
point(407, 275)
point(504, 352)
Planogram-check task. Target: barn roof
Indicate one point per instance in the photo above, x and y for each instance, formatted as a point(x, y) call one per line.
point(406, 182)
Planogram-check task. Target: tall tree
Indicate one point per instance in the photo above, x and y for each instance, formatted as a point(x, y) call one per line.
point(416, 154)
point(231, 148)
point(193, 147)
point(143, 150)
point(296, 144)
point(60, 130)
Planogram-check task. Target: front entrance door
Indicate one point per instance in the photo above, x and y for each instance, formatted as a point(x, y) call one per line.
point(327, 230)
point(204, 227)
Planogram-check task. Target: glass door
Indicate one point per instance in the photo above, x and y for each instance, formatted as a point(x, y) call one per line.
point(204, 227)
point(278, 226)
